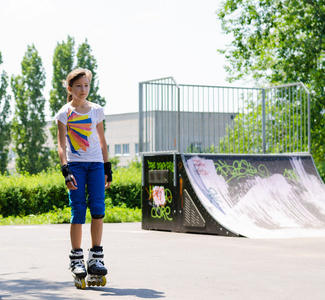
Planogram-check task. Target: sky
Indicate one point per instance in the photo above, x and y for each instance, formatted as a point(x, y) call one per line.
point(132, 41)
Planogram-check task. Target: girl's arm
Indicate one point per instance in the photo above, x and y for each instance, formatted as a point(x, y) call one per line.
point(62, 131)
point(103, 146)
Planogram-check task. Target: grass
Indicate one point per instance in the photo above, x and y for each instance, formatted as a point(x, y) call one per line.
point(113, 214)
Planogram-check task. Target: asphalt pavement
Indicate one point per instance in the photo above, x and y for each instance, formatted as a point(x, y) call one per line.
point(161, 265)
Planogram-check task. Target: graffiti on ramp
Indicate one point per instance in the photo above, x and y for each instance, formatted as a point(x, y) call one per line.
point(260, 196)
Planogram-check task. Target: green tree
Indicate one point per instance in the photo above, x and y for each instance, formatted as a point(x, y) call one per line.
point(86, 60)
point(29, 118)
point(278, 42)
point(283, 129)
point(4, 123)
point(63, 62)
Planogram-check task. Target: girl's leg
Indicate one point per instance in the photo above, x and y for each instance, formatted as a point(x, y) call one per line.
point(77, 201)
point(96, 190)
point(76, 235)
point(96, 230)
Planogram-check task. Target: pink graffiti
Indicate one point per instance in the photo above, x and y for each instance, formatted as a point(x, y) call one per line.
point(159, 195)
point(200, 166)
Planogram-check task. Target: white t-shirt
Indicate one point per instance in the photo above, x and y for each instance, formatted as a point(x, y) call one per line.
point(82, 139)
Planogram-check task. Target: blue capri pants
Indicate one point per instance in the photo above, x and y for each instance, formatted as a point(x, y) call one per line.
point(92, 176)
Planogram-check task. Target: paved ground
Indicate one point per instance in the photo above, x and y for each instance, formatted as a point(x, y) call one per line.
point(153, 265)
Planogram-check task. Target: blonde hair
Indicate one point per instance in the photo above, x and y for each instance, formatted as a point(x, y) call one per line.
point(73, 76)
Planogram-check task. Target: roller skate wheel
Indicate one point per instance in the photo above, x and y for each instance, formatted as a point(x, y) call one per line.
point(83, 284)
point(80, 284)
point(103, 283)
point(91, 283)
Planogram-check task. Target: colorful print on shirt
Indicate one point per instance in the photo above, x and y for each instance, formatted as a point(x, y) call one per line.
point(78, 131)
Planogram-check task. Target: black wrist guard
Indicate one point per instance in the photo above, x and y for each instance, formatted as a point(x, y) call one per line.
point(108, 171)
point(66, 172)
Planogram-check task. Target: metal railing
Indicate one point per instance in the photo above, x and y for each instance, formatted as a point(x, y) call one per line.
point(197, 118)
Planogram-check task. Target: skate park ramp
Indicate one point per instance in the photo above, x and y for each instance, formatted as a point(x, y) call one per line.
point(260, 196)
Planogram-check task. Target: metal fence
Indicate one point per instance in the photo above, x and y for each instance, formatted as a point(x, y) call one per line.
point(211, 119)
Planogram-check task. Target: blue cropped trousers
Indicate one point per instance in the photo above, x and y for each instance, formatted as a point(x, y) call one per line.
point(90, 179)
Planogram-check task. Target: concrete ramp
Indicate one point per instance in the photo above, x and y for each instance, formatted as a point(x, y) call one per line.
point(264, 196)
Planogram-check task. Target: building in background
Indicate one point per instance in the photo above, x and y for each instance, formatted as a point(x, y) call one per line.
point(122, 134)
point(122, 137)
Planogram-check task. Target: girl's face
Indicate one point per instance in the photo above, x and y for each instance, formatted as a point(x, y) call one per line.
point(80, 88)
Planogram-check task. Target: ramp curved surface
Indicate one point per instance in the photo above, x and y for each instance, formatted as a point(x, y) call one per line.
point(268, 196)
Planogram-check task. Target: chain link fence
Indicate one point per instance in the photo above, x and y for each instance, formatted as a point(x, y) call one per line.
point(211, 119)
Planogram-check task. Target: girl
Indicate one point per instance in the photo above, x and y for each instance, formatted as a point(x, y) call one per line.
point(84, 158)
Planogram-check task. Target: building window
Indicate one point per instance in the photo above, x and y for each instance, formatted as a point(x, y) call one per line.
point(118, 149)
point(122, 149)
point(126, 149)
point(108, 149)
point(136, 148)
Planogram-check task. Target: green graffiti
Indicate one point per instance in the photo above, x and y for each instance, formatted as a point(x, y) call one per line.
point(290, 174)
point(165, 165)
point(240, 169)
point(151, 165)
point(158, 212)
point(161, 212)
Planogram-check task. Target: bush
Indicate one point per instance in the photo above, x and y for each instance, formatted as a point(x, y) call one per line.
point(126, 187)
point(26, 194)
point(59, 216)
point(56, 216)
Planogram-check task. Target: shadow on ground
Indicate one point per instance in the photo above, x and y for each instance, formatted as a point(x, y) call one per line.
point(32, 288)
point(42, 289)
point(140, 293)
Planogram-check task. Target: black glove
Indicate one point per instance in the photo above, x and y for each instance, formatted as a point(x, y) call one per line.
point(66, 173)
point(108, 171)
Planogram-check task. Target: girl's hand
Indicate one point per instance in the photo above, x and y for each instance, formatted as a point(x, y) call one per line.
point(107, 183)
point(72, 185)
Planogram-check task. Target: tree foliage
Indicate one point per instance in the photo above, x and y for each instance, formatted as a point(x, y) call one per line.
point(285, 128)
point(277, 42)
point(4, 122)
point(87, 61)
point(29, 117)
point(63, 62)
